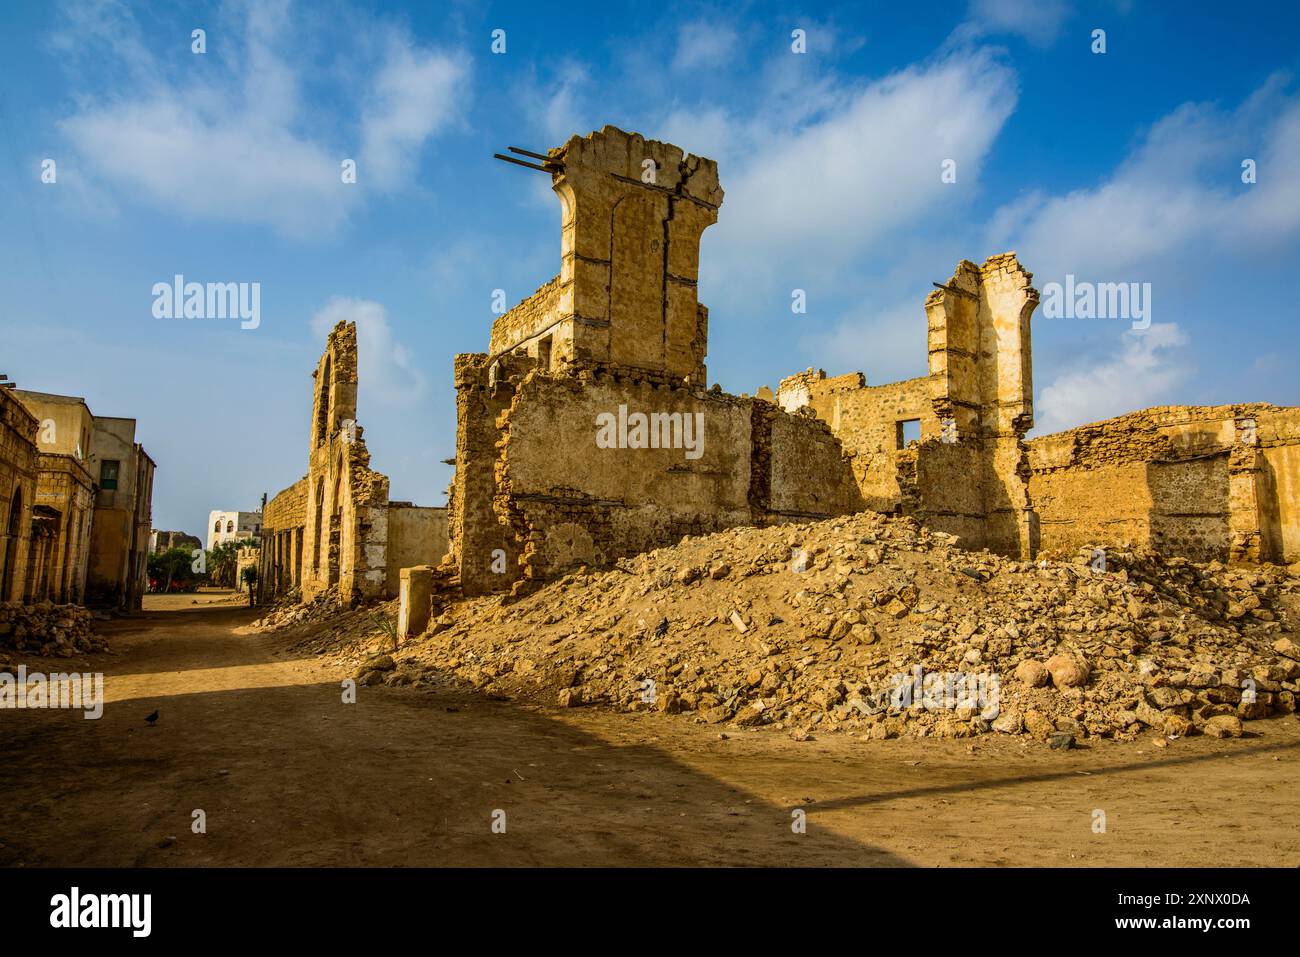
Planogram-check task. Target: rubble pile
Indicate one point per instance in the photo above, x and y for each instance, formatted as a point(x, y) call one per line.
point(727, 627)
point(48, 629)
point(290, 610)
point(876, 626)
point(330, 625)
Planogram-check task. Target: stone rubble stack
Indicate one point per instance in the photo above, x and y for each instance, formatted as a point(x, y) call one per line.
point(290, 610)
point(47, 629)
point(325, 624)
point(804, 628)
point(725, 628)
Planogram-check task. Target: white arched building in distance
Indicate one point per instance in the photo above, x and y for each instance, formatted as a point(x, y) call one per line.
point(233, 526)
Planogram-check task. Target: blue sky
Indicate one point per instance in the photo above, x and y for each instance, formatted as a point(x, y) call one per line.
point(224, 167)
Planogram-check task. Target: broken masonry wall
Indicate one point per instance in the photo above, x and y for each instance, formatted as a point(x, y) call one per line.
point(633, 212)
point(524, 326)
point(1200, 482)
point(364, 539)
point(869, 421)
point(482, 550)
point(572, 502)
point(981, 388)
point(967, 474)
point(809, 475)
point(947, 487)
point(284, 520)
point(417, 535)
point(346, 530)
point(1279, 441)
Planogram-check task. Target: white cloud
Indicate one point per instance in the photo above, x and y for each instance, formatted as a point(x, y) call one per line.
point(560, 105)
point(1038, 21)
point(706, 44)
point(864, 163)
point(386, 368)
point(416, 94)
point(1180, 189)
point(1142, 373)
point(1176, 203)
point(227, 141)
point(888, 345)
point(213, 164)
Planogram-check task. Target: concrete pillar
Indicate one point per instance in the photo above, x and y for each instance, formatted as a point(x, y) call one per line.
point(415, 596)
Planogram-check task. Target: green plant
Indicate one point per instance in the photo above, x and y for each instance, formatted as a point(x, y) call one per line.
point(387, 626)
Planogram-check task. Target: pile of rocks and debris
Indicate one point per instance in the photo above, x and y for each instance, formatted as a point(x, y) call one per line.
point(289, 610)
point(877, 626)
point(327, 624)
point(48, 629)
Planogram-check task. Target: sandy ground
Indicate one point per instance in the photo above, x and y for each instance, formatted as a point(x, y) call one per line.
point(287, 774)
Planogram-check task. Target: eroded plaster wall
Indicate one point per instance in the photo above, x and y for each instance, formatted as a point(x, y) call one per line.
point(417, 535)
point(335, 527)
point(1203, 482)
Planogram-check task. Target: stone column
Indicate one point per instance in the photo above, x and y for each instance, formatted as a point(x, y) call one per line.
point(415, 596)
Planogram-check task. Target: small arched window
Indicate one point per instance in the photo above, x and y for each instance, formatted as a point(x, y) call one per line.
point(230, 526)
point(217, 526)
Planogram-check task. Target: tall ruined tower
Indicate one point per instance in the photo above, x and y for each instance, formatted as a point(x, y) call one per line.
point(346, 528)
point(634, 211)
point(973, 480)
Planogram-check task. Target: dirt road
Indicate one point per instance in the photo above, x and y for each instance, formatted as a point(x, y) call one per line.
point(285, 773)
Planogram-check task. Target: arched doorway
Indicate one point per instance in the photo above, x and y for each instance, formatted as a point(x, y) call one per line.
point(12, 527)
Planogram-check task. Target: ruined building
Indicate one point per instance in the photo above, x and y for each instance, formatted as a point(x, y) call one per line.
point(586, 431)
point(1203, 482)
point(77, 491)
point(968, 472)
point(335, 527)
point(162, 541)
point(1218, 483)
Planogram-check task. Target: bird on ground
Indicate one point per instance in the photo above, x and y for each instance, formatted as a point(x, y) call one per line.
point(152, 718)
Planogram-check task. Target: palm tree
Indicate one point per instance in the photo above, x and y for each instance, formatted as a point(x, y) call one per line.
point(250, 576)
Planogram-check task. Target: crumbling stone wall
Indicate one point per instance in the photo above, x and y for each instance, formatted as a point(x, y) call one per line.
point(415, 532)
point(626, 296)
point(19, 460)
point(619, 335)
point(967, 473)
point(1201, 482)
point(482, 551)
point(869, 420)
point(331, 528)
point(528, 323)
point(346, 532)
point(982, 392)
point(1278, 432)
point(548, 497)
point(284, 524)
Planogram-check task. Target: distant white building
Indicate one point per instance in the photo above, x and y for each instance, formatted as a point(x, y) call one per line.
point(233, 526)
